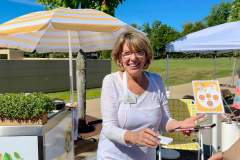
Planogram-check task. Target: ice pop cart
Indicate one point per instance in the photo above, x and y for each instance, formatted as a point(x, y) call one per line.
point(52, 140)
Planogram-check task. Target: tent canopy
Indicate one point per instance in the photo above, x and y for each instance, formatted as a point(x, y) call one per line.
point(220, 38)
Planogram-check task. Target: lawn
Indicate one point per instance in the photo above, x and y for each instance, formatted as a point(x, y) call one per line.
point(91, 93)
point(180, 71)
point(185, 70)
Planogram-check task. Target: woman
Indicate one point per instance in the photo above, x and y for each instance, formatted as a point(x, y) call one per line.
point(134, 104)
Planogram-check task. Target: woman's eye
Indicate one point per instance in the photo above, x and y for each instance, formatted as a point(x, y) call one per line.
point(127, 53)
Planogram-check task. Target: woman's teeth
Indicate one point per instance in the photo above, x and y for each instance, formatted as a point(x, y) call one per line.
point(133, 65)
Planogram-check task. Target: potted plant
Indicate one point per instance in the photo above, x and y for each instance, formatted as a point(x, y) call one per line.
point(24, 108)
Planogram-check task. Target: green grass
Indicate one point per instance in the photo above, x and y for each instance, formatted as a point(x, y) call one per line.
point(185, 70)
point(180, 71)
point(91, 93)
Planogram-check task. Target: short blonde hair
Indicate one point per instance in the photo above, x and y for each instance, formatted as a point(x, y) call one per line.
point(136, 41)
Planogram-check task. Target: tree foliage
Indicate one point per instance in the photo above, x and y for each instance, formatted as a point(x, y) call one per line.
point(146, 28)
point(187, 28)
point(219, 14)
point(192, 27)
point(136, 26)
point(159, 35)
point(235, 11)
point(107, 6)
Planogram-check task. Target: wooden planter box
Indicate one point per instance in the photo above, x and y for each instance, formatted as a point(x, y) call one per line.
point(38, 121)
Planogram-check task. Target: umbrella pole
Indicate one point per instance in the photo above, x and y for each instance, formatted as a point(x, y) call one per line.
point(70, 67)
point(75, 110)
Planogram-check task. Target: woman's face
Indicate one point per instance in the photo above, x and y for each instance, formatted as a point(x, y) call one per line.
point(133, 61)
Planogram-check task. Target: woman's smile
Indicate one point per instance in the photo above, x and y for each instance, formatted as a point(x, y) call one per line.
point(134, 65)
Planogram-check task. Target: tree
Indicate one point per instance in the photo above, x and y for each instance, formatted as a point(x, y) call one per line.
point(219, 14)
point(147, 29)
point(136, 26)
point(161, 34)
point(107, 6)
point(235, 11)
point(192, 27)
point(187, 28)
point(198, 26)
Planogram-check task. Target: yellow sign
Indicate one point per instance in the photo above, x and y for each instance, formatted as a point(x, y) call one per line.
point(207, 96)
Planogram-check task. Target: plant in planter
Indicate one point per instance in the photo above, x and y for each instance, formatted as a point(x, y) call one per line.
point(24, 109)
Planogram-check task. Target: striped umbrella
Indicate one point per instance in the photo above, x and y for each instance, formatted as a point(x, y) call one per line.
point(62, 30)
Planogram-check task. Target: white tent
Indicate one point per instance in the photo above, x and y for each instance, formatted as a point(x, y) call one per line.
point(223, 38)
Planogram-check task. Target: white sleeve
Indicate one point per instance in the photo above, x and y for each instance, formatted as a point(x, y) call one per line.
point(164, 106)
point(109, 110)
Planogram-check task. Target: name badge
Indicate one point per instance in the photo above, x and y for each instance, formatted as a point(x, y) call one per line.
point(130, 99)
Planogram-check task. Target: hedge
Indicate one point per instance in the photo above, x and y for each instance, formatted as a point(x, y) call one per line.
point(24, 106)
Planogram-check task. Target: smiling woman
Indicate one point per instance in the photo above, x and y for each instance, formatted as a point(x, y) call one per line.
point(134, 104)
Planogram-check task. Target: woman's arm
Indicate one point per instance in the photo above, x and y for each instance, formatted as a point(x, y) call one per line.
point(109, 111)
point(233, 152)
point(216, 156)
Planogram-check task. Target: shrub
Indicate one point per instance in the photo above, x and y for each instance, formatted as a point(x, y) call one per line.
point(105, 54)
point(24, 107)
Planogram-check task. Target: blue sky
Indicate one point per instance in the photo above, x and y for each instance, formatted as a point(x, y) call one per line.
point(172, 12)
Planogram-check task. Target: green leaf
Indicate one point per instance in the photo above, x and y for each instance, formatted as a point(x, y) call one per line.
point(17, 156)
point(7, 156)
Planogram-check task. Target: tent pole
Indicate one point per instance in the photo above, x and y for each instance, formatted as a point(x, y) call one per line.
point(234, 68)
point(215, 130)
point(167, 76)
point(215, 65)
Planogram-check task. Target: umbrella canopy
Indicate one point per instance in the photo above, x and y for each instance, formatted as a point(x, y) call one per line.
point(221, 38)
point(62, 30)
point(46, 31)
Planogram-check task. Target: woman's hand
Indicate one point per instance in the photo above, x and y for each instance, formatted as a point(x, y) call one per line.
point(185, 124)
point(191, 122)
point(145, 137)
point(216, 156)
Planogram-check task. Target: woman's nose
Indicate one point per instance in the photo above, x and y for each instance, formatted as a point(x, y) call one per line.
point(133, 56)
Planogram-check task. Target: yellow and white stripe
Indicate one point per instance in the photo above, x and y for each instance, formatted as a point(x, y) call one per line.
point(63, 19)
point(47, 31)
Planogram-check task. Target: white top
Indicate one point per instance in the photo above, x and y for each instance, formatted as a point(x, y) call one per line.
point(149, 110)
